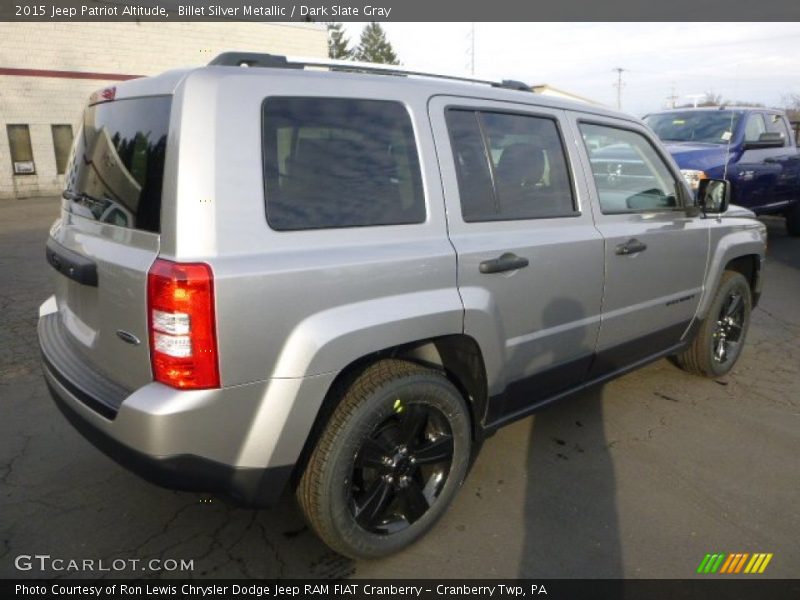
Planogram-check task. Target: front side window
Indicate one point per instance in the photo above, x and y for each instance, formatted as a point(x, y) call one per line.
point(340, 162)
point(509, 166)
point(628, 172)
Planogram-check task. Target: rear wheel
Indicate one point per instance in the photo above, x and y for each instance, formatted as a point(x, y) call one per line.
point(389, 461)
point(793, 220)
point(718, 344)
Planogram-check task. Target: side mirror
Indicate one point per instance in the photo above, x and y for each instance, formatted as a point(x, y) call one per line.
point(768, 139)
point(713, 195)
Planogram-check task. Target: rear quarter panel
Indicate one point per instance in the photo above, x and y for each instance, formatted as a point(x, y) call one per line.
point(301, 303)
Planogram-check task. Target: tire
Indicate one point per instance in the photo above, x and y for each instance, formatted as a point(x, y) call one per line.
point(361, 492)
point(703, 356)
point(793, 220)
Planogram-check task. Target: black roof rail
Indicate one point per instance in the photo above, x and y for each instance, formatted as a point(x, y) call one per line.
point(253, 59)
point(513, 84)
point(275, 61)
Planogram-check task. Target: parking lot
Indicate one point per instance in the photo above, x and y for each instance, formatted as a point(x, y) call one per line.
point(638, 478)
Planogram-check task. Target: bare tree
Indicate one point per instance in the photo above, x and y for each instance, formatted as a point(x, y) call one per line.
point(712, 99)
point(791, 104)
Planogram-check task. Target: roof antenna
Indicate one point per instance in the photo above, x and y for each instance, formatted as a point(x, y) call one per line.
point(730, 127)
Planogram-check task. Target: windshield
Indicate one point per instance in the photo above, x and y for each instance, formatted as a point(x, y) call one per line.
point(117, 166)
point(706, 126)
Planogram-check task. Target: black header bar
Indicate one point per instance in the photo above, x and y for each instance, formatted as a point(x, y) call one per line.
point(400, 10)
point(712, 587)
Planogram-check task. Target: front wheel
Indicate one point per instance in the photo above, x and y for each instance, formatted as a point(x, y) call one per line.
point(389, 461)
point(718, 343)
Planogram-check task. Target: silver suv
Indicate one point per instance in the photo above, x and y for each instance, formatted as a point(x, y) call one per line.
point(344, 281)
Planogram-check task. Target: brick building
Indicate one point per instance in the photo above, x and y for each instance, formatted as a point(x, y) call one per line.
point(48, 71)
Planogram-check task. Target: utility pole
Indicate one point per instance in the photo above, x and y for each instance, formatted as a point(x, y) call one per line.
point(619, 85)
point(471, 49)
point(673, 97)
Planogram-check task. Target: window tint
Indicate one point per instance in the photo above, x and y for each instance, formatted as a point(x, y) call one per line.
point(62, 142)
point(338, 162)
point(628, 172)
point(116, 173)
point(754, 128)
point(478, 202)
point(19, 142)
point(524, 158)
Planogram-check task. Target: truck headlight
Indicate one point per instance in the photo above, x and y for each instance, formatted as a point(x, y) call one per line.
point(693, 177)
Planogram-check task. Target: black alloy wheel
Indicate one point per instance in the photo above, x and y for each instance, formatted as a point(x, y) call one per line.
point(720, 337)
point(729, 327)
point(389, 461)
point(401, 468)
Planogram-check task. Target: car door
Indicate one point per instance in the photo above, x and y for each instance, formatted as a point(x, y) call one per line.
point(784, 160)
point(530, 261)
point(754, 172)
point(655, 243)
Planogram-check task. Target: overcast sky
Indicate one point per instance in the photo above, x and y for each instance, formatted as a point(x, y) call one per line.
point(758, 62)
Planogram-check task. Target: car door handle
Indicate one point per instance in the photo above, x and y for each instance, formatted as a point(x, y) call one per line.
point(632, 246)
point(507, 262)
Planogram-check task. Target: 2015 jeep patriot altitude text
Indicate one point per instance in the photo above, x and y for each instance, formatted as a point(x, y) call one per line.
point(344, 281)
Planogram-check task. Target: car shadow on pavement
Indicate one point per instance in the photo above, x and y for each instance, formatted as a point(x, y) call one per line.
point(571, 527)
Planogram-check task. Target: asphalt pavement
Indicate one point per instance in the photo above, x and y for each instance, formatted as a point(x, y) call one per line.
point(638, 478)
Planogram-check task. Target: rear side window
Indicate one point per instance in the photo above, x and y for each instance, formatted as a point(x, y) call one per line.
point(776, 124)
point(509, 166)
point(116, 171)
point(754, 127)
point(340, 162)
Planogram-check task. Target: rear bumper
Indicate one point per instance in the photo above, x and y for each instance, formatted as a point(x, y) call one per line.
point(240, 441)
point(246, 485)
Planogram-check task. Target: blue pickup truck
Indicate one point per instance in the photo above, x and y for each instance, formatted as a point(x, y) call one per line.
point(754, 148)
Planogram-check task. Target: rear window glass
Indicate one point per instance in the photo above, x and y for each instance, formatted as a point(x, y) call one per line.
point(117, 167)
point(338, 162)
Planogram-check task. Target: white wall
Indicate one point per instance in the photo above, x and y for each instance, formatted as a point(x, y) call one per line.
point(116, 48)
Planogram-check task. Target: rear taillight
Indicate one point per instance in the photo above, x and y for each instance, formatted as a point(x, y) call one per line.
point(180, 316)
